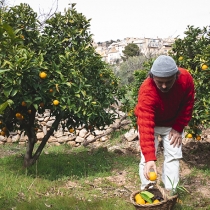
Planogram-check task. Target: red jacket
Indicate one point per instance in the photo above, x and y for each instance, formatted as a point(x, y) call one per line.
point(171, 109)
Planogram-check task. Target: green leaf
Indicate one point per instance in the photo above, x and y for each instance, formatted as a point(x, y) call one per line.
point(5, 104)
point(3, 70)
point(9, 30)
point(35, 106)
point(7, 91)
point(14, 92)
point(147, 193)
point(146, 198)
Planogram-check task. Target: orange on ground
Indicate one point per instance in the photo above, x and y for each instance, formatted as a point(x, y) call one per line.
point(204, 67)
point(55, 102)
point(152, 176)
point(42, 75)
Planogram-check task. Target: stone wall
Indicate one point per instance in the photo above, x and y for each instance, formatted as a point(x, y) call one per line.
point(80, 137)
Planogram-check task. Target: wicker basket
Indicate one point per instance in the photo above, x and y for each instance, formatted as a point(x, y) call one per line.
point(167, 204)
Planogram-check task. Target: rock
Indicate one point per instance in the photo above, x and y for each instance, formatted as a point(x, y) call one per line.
point(52, 139)
point(131, 135)
point(83, 132)
point(41, 119)
point(58, 134)
point(104, 138)
point(62, 139)
point(98, 132)
point(79, 139)
point(71, 143)
point(15, 138)
point(49, 123)
point(116, 149)
point(40, 135)
point(90, 137)
point(44, 129)
point(55, 144)
point(9, 140)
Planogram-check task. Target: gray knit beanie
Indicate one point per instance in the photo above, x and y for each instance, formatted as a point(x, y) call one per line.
point(164, 66)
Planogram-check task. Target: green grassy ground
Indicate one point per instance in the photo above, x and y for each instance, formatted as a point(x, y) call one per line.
point(79, 179)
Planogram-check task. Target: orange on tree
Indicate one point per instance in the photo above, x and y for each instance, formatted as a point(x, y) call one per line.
point(29, 111)
point(18, 115)
point(55, 69)
point(2, 133)
point(189, 135)
point(21, 117)
point(42, 75)
point(4, 129)
point(198, 138)
point(21, 36)
point(152, 176)
point(90, 127)
point(50, 90)
point(55, 102)
point(23, 103)
point(180, 58)
point(41, 104)
point(129, 114)
point(71, 130)
point(204, 67)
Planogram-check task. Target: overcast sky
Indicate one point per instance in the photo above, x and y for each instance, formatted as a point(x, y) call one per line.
point(118, 19)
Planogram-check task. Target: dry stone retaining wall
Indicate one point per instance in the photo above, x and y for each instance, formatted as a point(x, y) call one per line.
point(75, 139)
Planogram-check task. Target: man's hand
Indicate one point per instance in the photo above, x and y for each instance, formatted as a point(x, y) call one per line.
point(175, 137)
point(149, 166)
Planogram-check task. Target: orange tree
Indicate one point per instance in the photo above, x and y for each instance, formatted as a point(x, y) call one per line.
point(193, 53)
point(52, 67)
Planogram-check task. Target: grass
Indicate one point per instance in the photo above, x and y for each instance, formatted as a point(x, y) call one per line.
point(45, 184)
point(80, 179)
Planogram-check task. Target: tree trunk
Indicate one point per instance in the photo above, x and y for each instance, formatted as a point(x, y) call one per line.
point(31, 159)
